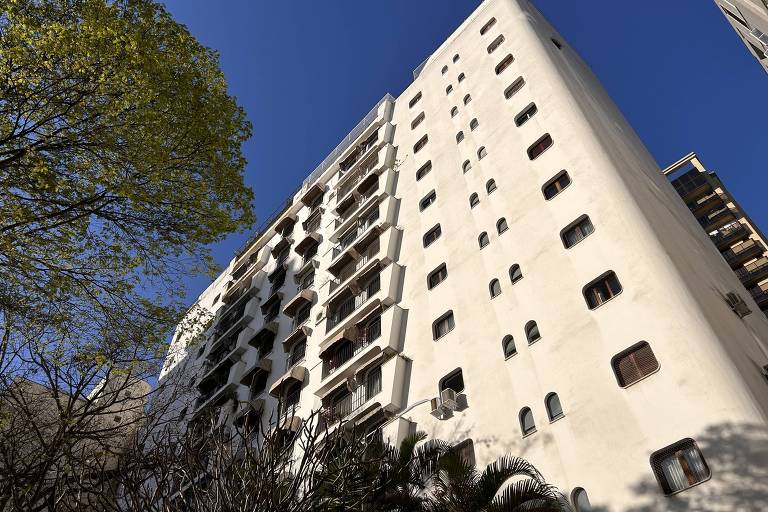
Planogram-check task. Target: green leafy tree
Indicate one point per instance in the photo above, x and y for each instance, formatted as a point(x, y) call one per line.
point(120, 163)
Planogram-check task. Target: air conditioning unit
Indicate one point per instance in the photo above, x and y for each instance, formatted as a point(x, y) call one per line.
point(737, 304)
point(437, 408)
point(448, 397)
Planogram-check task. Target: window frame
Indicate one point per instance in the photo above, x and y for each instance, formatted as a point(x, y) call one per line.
point(483, 235)
point(495, 44)
point(454, 111)
point(539, 141)
point(526, 410)
point(466, 167)
point(418, 120)
point(504, 64)
point(420, 144)
point(488, 24)
point(457, 372)
point(632, 349)
point(553, 418)
point(461, 77)
point(675, 449)
point(476, 201)
point(482, 152)
point(602, 278)
point(432, 196)
point(444, 70)
point(556, 180)
point(526, 114)
point(494, 288)
point(504, 341)
point(467, 99)
point(530, 325)
point(502, 221)
point(424, 170)
point(515, 87)
point(459, 137)
point(456, 58)
point(473, 124)
point(490, 186)
point(578, 224)
point(442, 271)
point(512, 268)
point(449, 89)
point(434, 229)
point(416, 98)
point(441, 318)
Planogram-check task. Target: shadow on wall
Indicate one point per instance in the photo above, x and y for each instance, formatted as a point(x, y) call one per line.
point(737, 456)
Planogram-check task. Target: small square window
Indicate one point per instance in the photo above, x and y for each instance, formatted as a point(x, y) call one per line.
point(437, 276)
point(679, 466)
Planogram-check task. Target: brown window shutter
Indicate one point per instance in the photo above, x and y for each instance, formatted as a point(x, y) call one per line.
point(634, 363)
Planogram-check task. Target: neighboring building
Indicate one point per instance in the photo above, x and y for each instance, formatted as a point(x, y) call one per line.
point(495, 258)
point(749, 18)
point(735, 235)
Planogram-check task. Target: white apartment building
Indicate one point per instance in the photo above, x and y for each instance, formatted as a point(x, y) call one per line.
point(494, 258)
point(749, 18)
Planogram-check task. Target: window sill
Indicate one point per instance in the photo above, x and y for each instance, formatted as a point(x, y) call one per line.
point(510, 356)
point(529, 434)
point(557, 419)
point(605, 302)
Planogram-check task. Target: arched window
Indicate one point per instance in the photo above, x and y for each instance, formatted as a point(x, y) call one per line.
point(580, 500)
point(515, 274)
point(474, 200)
point(495, 44)
point(527, 424)
point(459, 137)
point(540, 146)
point(501, 225)
point(504, 64)
point(481, 153)
point(461, 77)
point(554, 409)
point(483, 239)
point(454, 111)
point(474, 124)
point(448, 89)
point(494, 287)
point(466, 166)
point(467, 99)
point(508, 346)
point(445, 70)
point(456, 58)
point(532, 332)
point(490, 186)
point(487, 26)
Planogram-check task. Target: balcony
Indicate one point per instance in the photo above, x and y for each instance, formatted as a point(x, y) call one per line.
point(348, 275)
point(730, 234)
point(381, 333)
point(350, 187)
point(745, 251)
point(218, 387)
point(717, 220)
point(311, 194)
point(692, 185)
point(285, 225)
point(348, 307)
point(371, 224)
point(378, 389)
point(246, 277)
point(234, 321)
point(760, 294)
point(264, 339)
point(708, 204)
point(753, 273)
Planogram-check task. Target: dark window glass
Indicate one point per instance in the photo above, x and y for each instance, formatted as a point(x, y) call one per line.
point(416, 122)
point(474, 200)
point(437, 276)
point(427, 201)
point(504, 64)
point(501, 225)
point(467, 99)
point(554, 409)
point(443, 325)
point(454, 111)
point(539, 147)
point(495, 44)
point(532, 332)
point(490, 186)
point(415, 100)
point(634, 364)
point(483, 239)
point(602, 290)
point(508, 345)
point(454, 381)
point(432, 235)
point(556, 185)
point(527, 424)
point(422, 142)
point(494, 288)
point(514, 88)
point(577, 231)
point(515, 274)
point(526, 114)
point(424, 170)
point(487, 26)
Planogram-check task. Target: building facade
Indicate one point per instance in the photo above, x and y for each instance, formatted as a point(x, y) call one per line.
point(494, 258)
point(736, 236)
point(749, 18)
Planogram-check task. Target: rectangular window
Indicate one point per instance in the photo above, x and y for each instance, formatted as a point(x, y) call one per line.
point(514, 88)
point(419, 145)
point(504, 64)
point(539, 147)
point(424, 170)
point(454, 381)
point(432, 235)
point(437, 276)
point(443, 325)
point(634, 364)
point(602, 289)
point(428, 200)
point(556, 185)
point(416, 122)
point(414, 100)
point(577, 231)
point(526, 114)
point(679, 466)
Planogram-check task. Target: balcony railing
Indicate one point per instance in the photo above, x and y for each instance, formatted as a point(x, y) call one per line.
point(752, 270)
point(750, 245)
point(301, 318)
point(716, 217)
point(348, 350)
point(359, 176)
point(290, 405)
point(352, 303)
point(728, 233)
point(359, 151)
point(350, 238)
point(299, 351)
point(210, 391)
point(343, 217)
point(689, 182)
point(760, 293)
point(352, 402)
point(313, 223)
point(352, 267)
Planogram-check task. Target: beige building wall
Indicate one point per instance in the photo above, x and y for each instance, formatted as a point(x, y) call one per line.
point(708, 387)
point(749, 18)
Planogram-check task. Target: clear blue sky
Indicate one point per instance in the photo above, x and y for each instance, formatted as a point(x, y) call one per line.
point(307, 71)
